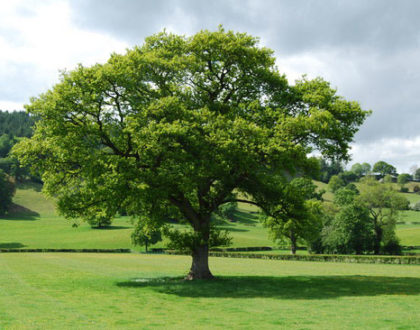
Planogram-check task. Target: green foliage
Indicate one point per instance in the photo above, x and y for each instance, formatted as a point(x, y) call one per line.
point(388, 178)
point(416, 189)
point(417, 174)
point(416, 206)
point(179, 123)
point(361, 170)
point(336, 183)
point(328, 168)
point(186, 241)
point(299, 215)
point(402, 179)
point(227, 210)
point(146, 233)
point(384, 168)
point(16, 123)
point(7, 190)
point(348, 176)
point(351, 231)
point(383, 203)
point(345, 196)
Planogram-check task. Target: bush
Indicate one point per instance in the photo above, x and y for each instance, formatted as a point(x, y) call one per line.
point(392, 247)
point(416, 207)
point(351, 231)
point(416, 189)
point(404, 189)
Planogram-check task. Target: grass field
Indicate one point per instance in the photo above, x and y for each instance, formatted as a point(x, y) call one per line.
point(35, 224)
point(58, 290)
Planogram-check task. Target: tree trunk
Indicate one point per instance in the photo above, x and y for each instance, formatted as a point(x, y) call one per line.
point(378, 239)
point(200, 264)
point(293, 243)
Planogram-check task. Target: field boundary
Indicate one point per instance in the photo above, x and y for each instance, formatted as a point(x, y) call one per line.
point(68, 250)
point(366, 259)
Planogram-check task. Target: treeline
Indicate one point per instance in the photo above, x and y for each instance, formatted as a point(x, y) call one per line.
point(13, 127)
point(334, 173)
point(360, 219)
point(16, 123)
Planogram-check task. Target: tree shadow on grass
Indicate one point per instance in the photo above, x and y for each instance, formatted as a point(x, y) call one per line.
point(232, 229)
point(293, 287)
point(19, 212)
point(245, 218)
point(11, 245)
point(30, 185)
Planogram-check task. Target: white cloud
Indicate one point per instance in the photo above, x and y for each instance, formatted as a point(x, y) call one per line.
point(37, 40)
point(399, 152)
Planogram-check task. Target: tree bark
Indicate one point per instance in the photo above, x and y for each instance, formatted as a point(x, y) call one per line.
point(200, 264)
point(378, 239)
point(293, 242)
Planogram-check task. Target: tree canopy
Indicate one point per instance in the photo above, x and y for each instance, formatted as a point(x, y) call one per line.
point(180, 125)
point(384, 204)
point(384, 168)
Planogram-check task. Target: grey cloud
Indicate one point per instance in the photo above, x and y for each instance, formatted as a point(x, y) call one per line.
point(293, 26)
point(371, 48)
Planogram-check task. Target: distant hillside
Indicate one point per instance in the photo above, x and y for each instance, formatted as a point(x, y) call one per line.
point(16, 123)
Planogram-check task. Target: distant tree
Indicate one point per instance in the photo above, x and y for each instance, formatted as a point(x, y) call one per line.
point(345, 196)
point(6, 143)
point(384, 204)
point(384, 168)
point(413, 169)
point(328, 168)
point(16, 123)
point(227, 211)
point(300, 217)
point(417, 174)
point(348, 176)
point(351, 231)
point(403, 179)
point(366, 168)
point(336, 183)
point(357, 169)
point(7, 190)
point(388, 178)
point(145, 234)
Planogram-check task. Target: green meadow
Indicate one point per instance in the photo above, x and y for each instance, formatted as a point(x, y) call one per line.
point(128, 291)
point(123, 291)
point(34, 223)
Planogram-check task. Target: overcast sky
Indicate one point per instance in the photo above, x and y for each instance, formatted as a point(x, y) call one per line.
point(368, 50)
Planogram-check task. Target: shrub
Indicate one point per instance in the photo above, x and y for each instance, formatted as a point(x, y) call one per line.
point(404, 189)
point(416, 189)
point(392, 247)
point(416, 206)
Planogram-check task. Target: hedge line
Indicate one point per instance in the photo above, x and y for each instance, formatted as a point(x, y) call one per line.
point(367, 259)
point(68, 250)
point(243, 249)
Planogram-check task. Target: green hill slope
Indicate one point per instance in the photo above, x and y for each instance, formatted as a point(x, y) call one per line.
point(34, 223)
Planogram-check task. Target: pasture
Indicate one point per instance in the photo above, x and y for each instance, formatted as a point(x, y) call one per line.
point(59, 290)
point(34, 223)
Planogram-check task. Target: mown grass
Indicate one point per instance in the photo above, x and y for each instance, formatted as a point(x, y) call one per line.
point(49, 291)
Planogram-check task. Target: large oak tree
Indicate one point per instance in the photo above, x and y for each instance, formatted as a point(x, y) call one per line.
point(177, 127)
